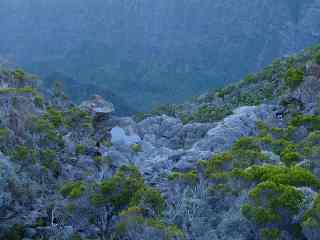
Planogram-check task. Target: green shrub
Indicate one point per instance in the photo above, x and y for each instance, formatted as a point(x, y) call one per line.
point(246, 143)
point(98, 199)
point(148, 199)
point(19, 74)
point(218, 163)
point(171, 231)
point(56, 117)
point(312, 122)
point(270, 234)
point(4, 134)
point(294, 77)
point(120, 189)
point(259, 215)
point(226, 91)
point(279, 196)
point(210, 114)
point(263, 128)
point(38, 101)
point(187, 177)
point(21, 153)
point(244, 153)
point(252, 99)
point(54, 166)
point(43, 125)
point(136, 148)
point(311, 218)
point(167, 109)
point(77, 118)
point(98, 160)
point(293, 176)
point(16, 232)
point(72, 190)
point(250, 79)
point(279, 145)
point(80, 149)
point(107, 143)
point(76, 236)
point(290, 158)
point(273, 204)
point(40, 222)
point(313, 139)
point(317, 58)
point(22, 90)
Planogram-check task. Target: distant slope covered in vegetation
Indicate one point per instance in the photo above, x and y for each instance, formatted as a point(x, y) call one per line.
point(153, 52)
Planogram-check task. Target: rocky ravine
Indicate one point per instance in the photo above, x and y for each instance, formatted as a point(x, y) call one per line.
point(78, 172)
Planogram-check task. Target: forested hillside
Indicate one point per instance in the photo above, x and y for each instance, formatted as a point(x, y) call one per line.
point(141, 53)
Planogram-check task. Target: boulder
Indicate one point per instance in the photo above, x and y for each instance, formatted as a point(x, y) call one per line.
point(99, 108)
point(241, 123)
point(119, 136)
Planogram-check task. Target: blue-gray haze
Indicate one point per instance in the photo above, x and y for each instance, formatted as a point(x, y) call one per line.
point(139, 53)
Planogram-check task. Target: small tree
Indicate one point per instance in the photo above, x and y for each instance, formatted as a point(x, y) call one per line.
point(317, 58)
point(294, 77)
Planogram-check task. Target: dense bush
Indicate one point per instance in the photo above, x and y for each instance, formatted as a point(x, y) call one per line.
point(293, 176)
point(210, 114)
point(55, 116)
point(136, 148)
point(72, 190)
point(80, 149)
point(21, 153)
point(76, 118)
point(189, 177)
point(150, 200)
point(312, 122)
point(126, 196)
point(4, 133)
point(311, 221)
point(19, 74)
point(16, 232)
point(120, 189)
point(273, 205)
point(317, 58)
point(294, 77)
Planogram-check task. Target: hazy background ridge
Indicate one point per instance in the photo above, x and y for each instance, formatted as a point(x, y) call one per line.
point(139, 53)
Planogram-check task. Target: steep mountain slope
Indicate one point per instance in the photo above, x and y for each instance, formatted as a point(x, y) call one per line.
point(154, 52)
point(77, 172)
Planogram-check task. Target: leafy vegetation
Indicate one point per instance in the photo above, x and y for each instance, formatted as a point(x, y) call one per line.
point(294, 77)
point(136, 148)
point(186, 177)
point(72, 190)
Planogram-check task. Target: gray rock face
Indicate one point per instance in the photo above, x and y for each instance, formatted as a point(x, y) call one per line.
point(98, 107)
point(170, 132)
point(233, 225)
point(241, 123)
point(16, 110)
point(306, 94)
point(159, 130)
point(167, 144)
point(6, 174)
point(119, 136)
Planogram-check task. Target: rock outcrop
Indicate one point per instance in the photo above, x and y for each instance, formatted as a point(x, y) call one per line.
point(79, 172)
